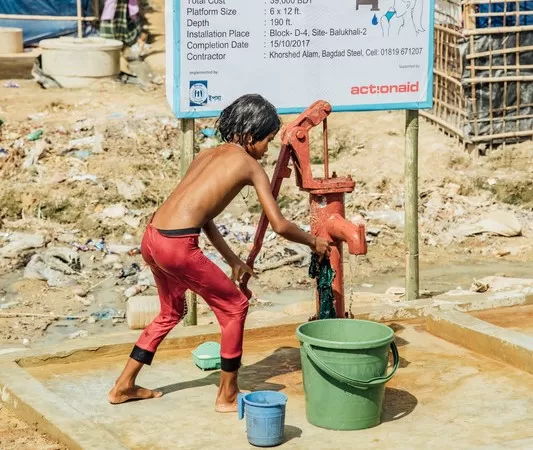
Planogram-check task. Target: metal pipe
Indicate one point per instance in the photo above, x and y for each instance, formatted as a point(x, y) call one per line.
point(326, 159)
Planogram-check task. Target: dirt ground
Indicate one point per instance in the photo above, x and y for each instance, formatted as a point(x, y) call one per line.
point(134, 138)
point(17, 435)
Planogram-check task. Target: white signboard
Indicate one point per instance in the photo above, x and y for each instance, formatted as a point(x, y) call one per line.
point(356, 54)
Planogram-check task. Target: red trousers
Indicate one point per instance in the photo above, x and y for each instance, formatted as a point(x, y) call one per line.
point(178, 264)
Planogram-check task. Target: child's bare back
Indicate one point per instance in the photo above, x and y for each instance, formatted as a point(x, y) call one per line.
point(214, 178)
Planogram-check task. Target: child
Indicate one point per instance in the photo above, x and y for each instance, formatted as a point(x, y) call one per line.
point(170, 244)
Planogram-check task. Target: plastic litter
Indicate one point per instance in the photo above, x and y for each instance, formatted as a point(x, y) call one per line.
point(502, 223)
point(208, 132)
point(82, 154)
point(91, 244)
point(78, 334)
point(105, 314)
point(84, 177)
point(35, 135)
point(223, 229)
point(393, 219)
point(11, 84)
point(3, 153)
point(130, 270)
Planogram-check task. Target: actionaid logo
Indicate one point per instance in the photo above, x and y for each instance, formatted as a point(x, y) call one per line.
point(373, 89)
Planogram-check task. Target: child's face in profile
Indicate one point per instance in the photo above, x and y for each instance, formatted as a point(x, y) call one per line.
point(259, 148)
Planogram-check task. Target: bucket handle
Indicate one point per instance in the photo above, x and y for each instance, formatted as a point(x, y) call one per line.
point(352, 382)
point(240, 406)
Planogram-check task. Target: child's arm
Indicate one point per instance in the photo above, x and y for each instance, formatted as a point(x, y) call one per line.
point(238, 267)
point(279, 224)
point(218, 241)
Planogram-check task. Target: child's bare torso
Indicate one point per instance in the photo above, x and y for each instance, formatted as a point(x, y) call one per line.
point(213, 180)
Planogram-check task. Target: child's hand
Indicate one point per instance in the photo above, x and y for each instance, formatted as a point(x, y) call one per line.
point(321, 246)
point(238, 269)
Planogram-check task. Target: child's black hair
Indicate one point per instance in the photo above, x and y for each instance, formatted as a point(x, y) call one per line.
point(249, 116)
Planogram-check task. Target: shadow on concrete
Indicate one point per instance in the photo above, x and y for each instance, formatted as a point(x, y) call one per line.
point(397, 404)
point(255, 377)
point(291, 433)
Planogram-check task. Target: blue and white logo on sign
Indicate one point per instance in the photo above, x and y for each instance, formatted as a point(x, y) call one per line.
point(198, 93)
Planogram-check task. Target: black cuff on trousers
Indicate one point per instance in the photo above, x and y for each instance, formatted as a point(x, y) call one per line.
point(230, 364)
point(141, 355)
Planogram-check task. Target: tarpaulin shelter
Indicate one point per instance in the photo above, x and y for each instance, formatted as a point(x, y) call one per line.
point(42, 19)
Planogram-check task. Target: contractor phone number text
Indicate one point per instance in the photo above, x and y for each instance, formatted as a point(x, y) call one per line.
point(402, 51)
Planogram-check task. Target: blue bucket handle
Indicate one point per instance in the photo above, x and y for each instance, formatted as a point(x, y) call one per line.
point(351, 381)
point(240, 406)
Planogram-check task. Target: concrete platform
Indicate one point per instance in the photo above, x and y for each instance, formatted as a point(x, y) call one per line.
point(442, 396)
point(18, 65)
point(506, 345)
point(518, 318)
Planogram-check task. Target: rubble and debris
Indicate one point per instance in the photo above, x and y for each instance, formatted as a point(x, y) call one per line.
point(499, 284)
point(54, 265)
point(393, 219)
point(120, 249)
point(131, 269)
point(117, 211)
point(130, 189)
point(135, 290)
point(34, 154)
point(146, 277)
point(19, 242)
point(78, 334)
point(502, 223)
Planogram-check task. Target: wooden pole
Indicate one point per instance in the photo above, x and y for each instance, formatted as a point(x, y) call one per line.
point(80, 20)
point(187, 155)
point(411, 205)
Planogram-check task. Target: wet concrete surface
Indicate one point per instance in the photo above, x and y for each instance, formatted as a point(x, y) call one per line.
point(518, 318)
point(442, 396)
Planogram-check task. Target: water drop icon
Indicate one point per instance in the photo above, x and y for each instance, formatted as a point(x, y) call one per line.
point(374, 20)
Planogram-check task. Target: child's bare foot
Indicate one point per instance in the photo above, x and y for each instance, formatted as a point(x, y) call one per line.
point(228, 393)
point(118, 395)
point(228, 405)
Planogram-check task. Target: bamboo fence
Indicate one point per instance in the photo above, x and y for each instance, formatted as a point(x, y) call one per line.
point(483, 70)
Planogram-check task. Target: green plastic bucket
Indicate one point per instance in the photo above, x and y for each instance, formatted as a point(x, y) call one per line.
point(344, 365)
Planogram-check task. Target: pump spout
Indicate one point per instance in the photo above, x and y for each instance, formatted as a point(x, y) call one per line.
point(341, 229)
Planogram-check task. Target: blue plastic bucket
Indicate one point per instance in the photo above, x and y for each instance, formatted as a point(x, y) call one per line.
point(265, 417)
